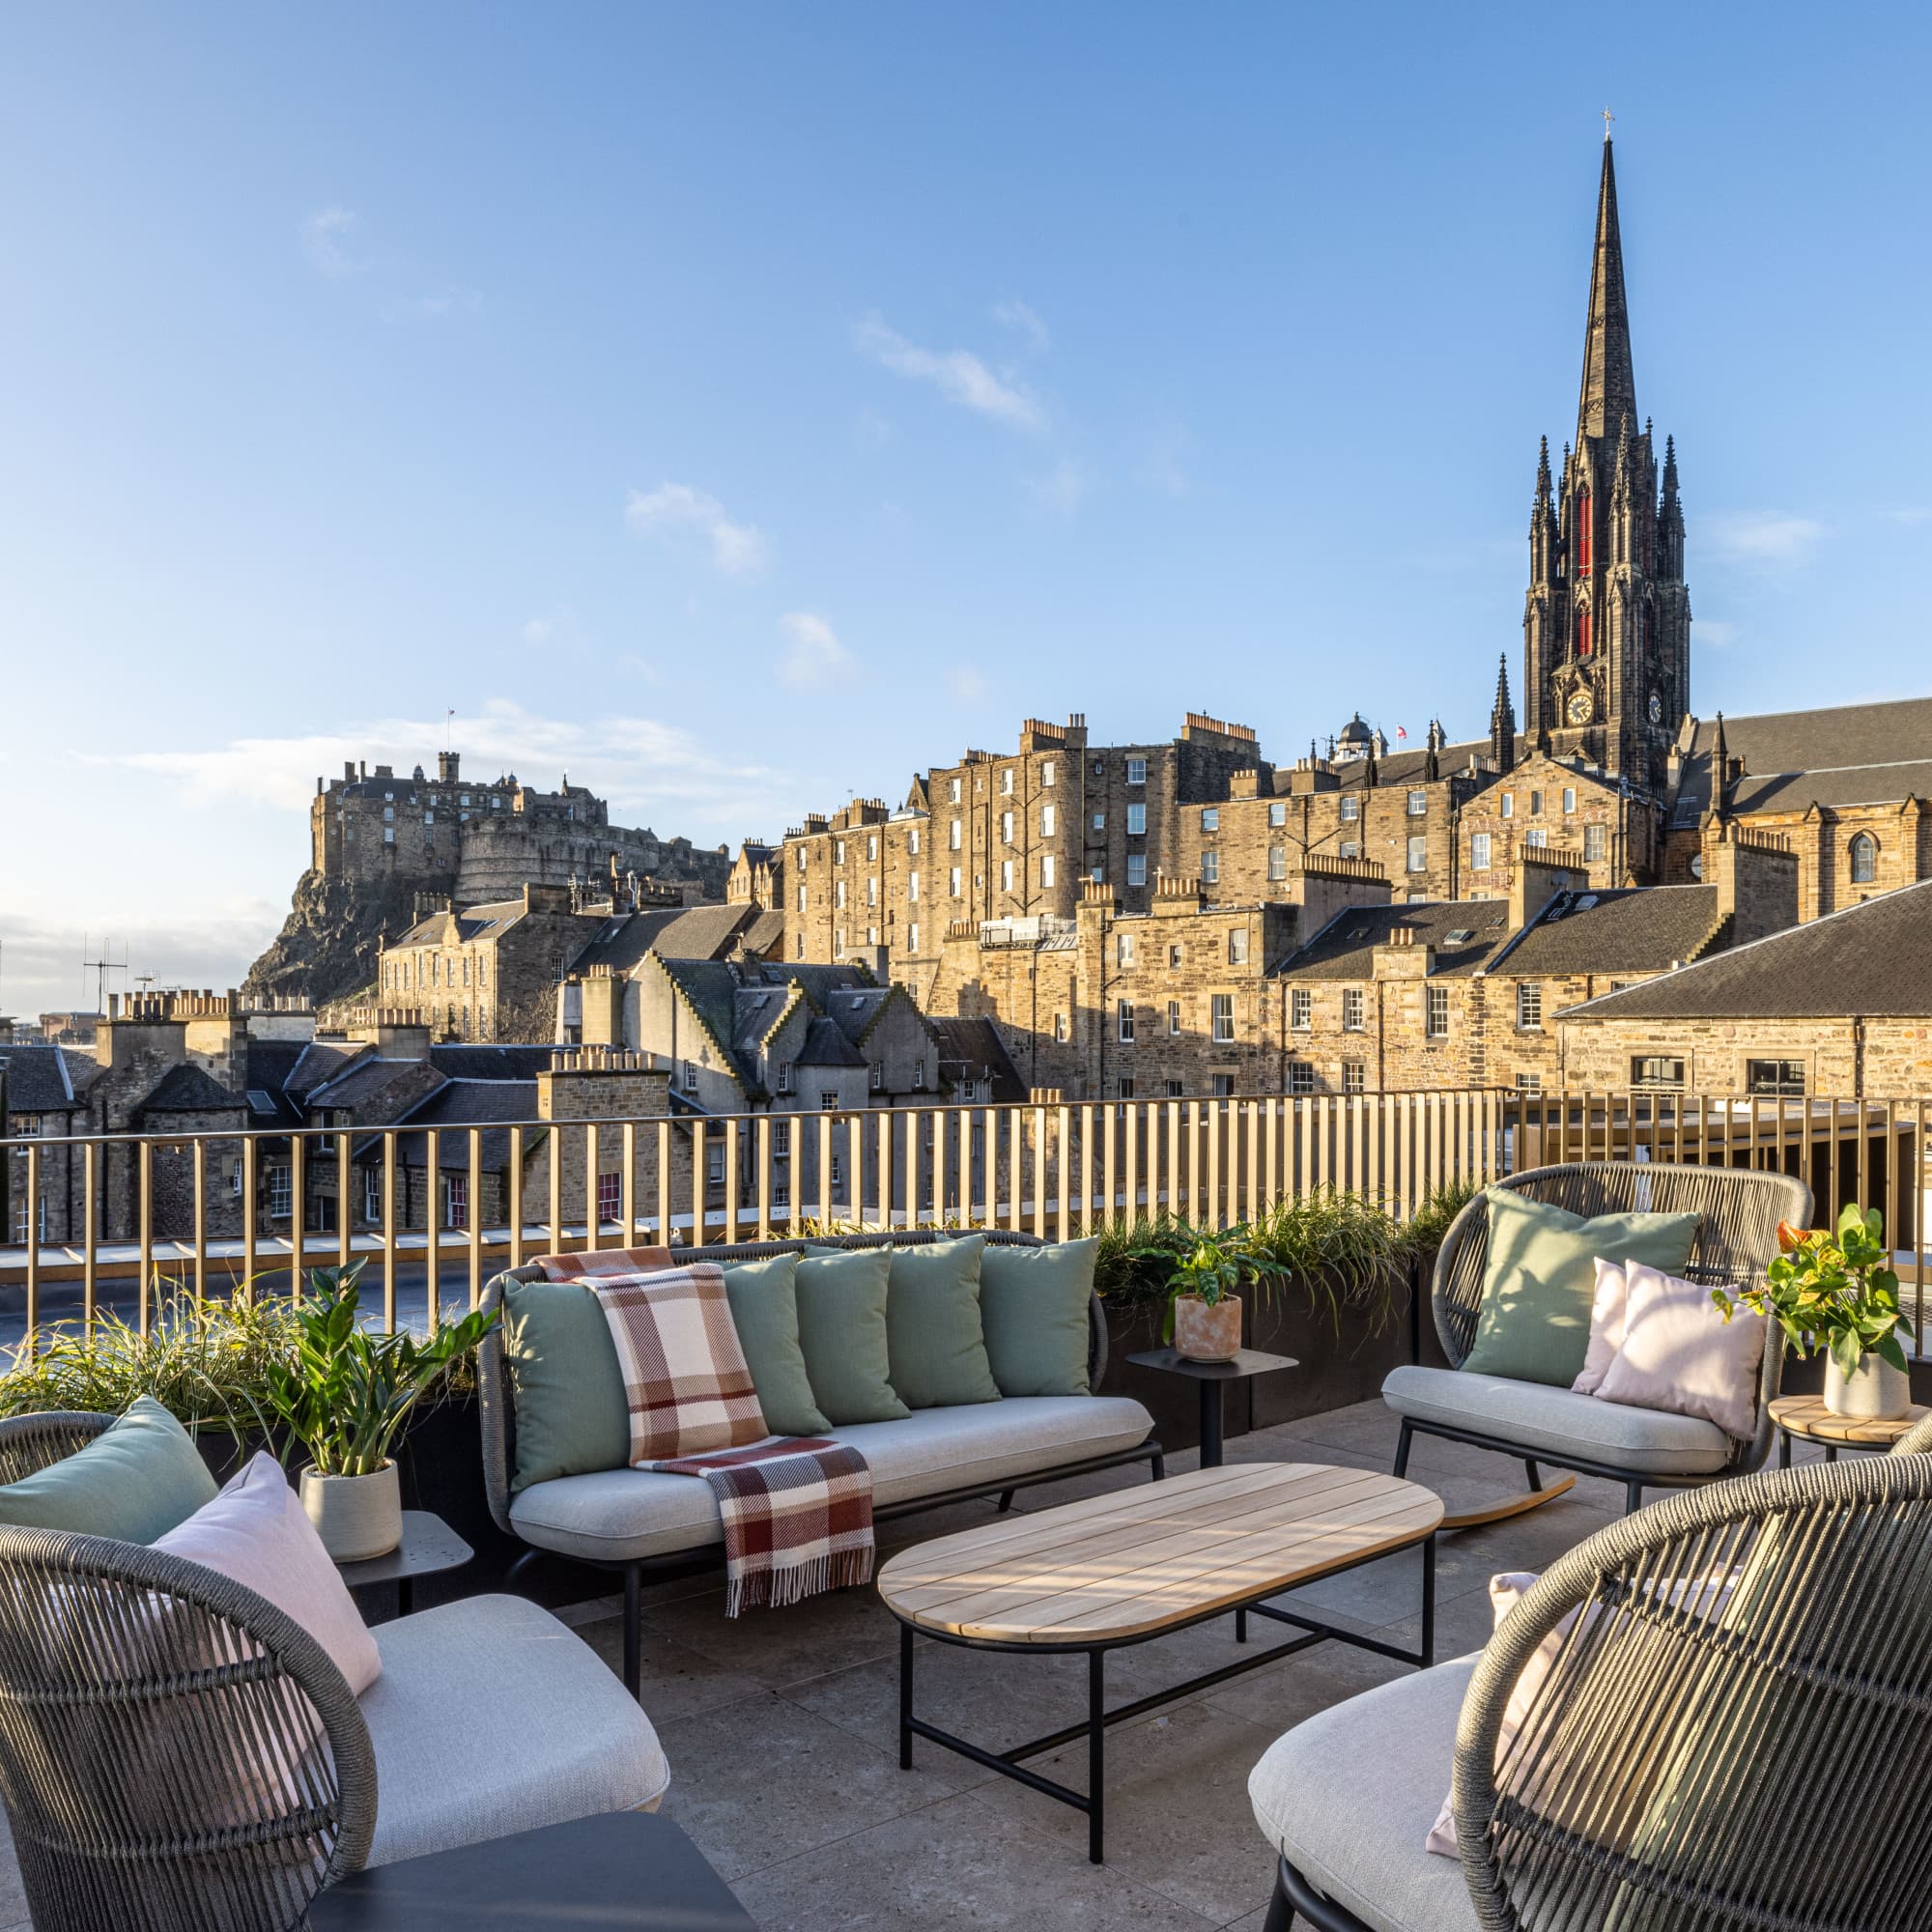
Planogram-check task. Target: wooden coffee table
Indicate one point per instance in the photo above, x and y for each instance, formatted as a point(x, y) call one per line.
point(1806, 1418)
point(1122, 1569)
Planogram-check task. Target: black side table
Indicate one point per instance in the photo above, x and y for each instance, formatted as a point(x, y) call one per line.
point(429, 1547)
point(1212, 1378)
point(626, 1871)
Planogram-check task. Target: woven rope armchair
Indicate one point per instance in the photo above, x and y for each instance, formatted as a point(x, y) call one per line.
point(1739, 1211)
point(174, 1752)
point(1731, 1733)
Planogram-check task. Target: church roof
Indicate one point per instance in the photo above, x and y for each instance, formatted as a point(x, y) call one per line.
point(1869, 960)
point(1610, 387)
point(1838, 755)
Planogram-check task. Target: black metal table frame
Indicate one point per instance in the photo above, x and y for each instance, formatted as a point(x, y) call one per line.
point(1093, 1728)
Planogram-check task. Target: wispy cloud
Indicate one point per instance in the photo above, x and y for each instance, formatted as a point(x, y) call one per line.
point(956, 372)
point(1715, 632)
point(640, 764)
point(814, 655)
point(737, 550)
point(965, 685)
point(434, 306)
point(328, 243)
point(1163, 463)
point(1762, 536)
point(1017, 315)
point(1061, 492)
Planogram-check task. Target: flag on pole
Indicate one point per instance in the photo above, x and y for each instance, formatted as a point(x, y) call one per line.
point(1401, 732)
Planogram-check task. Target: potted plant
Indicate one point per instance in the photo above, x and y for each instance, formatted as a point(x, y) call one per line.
point(344, 1398)
point(1838, 1292)
point(1203, 1310)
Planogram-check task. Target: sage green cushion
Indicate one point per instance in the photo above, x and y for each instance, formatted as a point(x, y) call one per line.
point(571, 1414)
point(139, 1478)
point(936, 1346)
point(1541, 1279)
point(1033, 1306)
point(842, 1332)
point(764, 1310)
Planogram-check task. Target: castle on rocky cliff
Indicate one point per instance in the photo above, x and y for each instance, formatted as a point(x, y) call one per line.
point(380, 843)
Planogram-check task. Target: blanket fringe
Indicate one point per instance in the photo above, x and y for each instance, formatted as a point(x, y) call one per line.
point(775, 1588)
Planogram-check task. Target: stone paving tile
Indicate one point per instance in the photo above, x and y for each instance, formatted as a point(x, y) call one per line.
point(1204, 1853)
point(761, 1780)
point(956, 1866)
point(679, 1681)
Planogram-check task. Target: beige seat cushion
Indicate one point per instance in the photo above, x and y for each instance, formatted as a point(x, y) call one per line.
point(1556, 1422)
point(490, 1717)
point(1348, 1797)
point(617, 1514)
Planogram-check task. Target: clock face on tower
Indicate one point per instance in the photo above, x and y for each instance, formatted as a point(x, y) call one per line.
point(1581, 707)
point(1655, 708)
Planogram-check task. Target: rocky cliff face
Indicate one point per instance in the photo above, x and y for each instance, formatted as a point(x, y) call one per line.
point(328, 945)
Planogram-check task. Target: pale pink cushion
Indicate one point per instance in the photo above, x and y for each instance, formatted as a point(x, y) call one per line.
point(1506, 1592)
point(1707, 1597)
point(1606, 1327)
point(257, 1533)
point(1680, 1354)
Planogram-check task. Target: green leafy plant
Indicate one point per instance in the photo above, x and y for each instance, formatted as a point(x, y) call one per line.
point(345, 1392)
point(1836, 1292)
point(1345, 1249)
point(1213, 1267)
point(205, 1359)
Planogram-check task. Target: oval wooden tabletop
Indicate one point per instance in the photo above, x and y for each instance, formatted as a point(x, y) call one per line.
point(1806, 1416)
point(1136, 1560)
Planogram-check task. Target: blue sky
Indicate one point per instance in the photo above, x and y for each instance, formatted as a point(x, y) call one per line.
point(742, 406)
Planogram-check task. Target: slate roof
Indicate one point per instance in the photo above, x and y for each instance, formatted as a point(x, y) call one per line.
point(827, 1045)
point(366, 1078)
point(1870, 960)
point(446, 928)
point(187, 1089)
point(1344, 948)
point(269, 1064)
point(1641, 930)
point(740, 1003)
point(1839, 755)
point(971, 1049)
point(680, 933)
point(473, 1060)
point(490, 1105)
point(47, 1079)
point(319, 1062)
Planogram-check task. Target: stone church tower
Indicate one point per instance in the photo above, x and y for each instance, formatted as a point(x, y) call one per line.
point(1607, 623)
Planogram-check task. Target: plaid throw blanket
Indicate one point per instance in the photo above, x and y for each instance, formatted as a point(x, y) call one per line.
point(797, 1509)
point(605, 1261)
point(798, 1518)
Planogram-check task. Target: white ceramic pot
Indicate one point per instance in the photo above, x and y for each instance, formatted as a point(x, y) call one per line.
point(1877, 1393)
point(357, 1517)
point(1205, 1332)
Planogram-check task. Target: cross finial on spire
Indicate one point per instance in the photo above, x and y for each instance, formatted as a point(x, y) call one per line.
point(1609, 117)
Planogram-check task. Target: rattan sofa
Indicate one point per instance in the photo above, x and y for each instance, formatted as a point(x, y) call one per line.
point(1687, 1763)
point(1737, 1235)
point(177, 1754)
point(637, 1523)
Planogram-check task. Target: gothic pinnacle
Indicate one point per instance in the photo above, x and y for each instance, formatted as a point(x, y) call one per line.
point(1608, 387)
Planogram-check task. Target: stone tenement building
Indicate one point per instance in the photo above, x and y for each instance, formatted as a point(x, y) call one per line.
point(1609, 765)
point(378, 843)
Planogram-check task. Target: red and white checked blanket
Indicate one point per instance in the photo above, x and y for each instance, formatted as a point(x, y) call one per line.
point(797, 1509)
point(604, 1261)
point(798, 1518)
point(686, 1380)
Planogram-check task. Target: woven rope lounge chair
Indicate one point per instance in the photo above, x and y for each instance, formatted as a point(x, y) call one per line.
point(1689, 1760)
point(177, 1755)
point(1737, 1236)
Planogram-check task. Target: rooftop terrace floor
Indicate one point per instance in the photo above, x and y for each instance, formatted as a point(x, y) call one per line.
point(781, 1726)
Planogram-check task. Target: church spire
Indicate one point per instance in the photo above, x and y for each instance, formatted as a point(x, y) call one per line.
point(1502, 720)
point(1609, 388)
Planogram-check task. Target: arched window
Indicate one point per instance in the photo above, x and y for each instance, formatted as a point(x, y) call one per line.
point(1583, 632)
point(1583, 535)
point(1865, 860)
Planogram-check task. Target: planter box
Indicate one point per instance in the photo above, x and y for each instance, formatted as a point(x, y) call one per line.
point(1335, 1370)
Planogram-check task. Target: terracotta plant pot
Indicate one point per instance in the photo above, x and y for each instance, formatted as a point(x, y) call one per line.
point(1877, 1393)
point(357, 1517)
point(1205, 1332)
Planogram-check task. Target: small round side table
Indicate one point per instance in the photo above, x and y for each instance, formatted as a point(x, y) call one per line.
point(1806, 1418)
